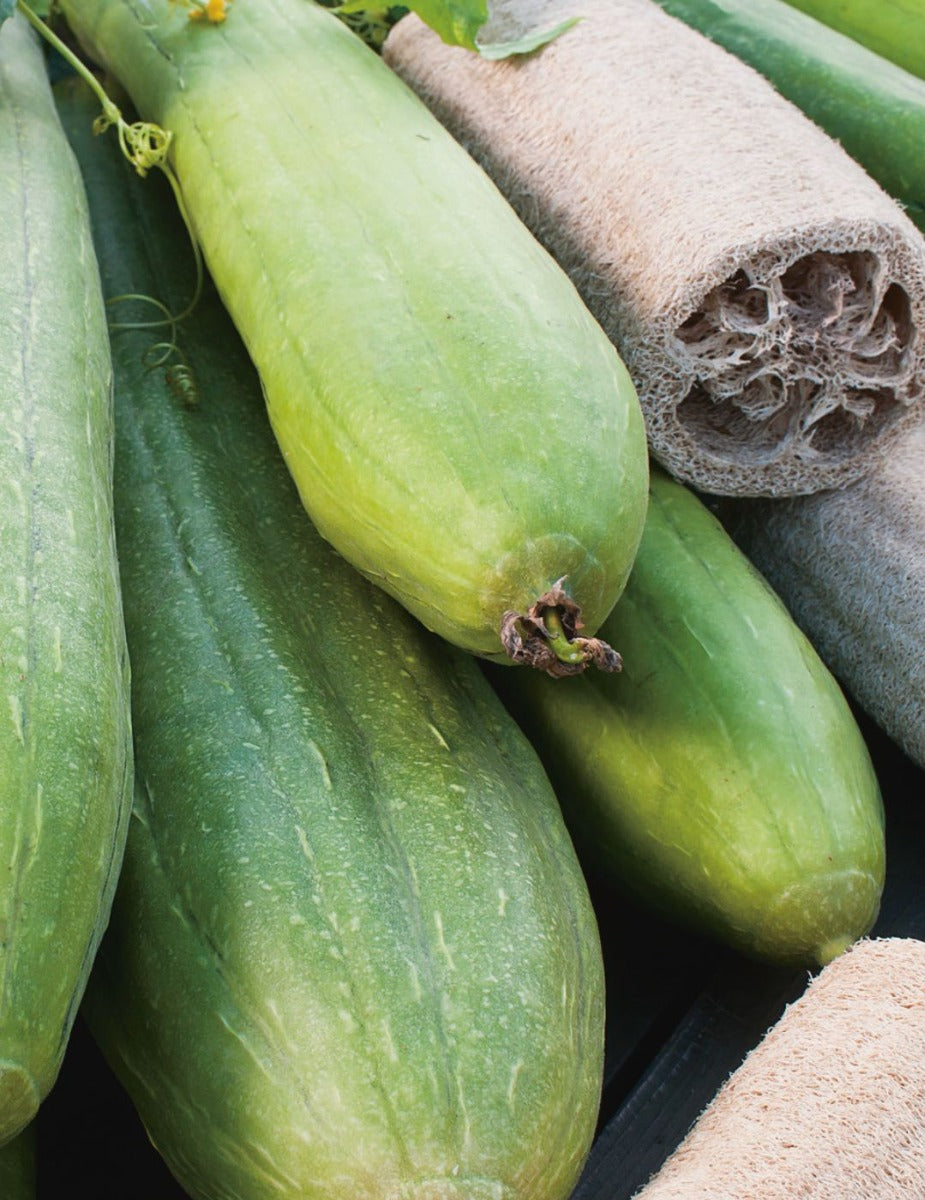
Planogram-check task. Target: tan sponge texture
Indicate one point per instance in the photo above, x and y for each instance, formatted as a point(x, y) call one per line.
point(766, 295)
point(831, 1103)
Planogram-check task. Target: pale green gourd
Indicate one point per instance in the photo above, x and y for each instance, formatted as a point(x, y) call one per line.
point(458, 425)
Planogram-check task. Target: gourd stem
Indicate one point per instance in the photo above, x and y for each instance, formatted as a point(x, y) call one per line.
point(564, 649)
point(546, 637)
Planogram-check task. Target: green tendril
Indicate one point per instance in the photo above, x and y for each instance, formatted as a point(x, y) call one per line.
point(194, 244)
point(157, 355)
point(178, 374)
point(181, 382)
point(166, 319)
point(144, 144)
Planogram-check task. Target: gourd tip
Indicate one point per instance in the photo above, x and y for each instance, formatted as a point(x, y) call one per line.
point(19, 1099)
point(546, 637)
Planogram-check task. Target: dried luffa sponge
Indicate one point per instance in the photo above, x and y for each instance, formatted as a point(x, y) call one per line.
point(831, 1103)
point(850, 566)
point(767, 296)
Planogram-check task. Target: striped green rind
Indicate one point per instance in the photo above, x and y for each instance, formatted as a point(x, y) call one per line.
point(893, 28)
point(873, 107)
point(722, 777)
point(65, 755)
point(17, 1166)
point(352, 953)
point(458, 425)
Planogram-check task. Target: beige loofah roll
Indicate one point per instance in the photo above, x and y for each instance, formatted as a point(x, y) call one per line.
point(766, 295)
point(831, 1104)
point(850, 566)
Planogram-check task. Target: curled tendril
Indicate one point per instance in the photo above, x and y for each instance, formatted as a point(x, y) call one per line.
point(144, 144)
point(157, 355)
point(166, 318)
point(166, 355)
point(182, 383)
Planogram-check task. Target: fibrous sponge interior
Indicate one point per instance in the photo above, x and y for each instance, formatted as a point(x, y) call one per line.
point(811, 360)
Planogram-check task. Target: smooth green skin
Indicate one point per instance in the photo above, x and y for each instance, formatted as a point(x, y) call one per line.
point(458, 425)
point(722, 777)
point(17, 1166)
point(893, 28)
point(874, 108)
point(65, 754)
point(352, 953)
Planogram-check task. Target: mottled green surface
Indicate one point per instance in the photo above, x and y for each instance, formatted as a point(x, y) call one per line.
point(352, 953)
point(722, 776)
point(64, 736)
point(458, 425)
point(873, 107)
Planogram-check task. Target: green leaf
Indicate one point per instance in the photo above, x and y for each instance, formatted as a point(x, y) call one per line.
point(490, 27)
point(7, 8)
point(526, 43)
point(456, 21)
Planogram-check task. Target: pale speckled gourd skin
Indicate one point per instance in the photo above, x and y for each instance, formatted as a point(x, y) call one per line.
point(458, 425)
point(722, 775)
point(352, 953)
point(65, 754)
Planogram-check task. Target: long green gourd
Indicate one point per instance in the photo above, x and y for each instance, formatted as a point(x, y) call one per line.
point(873, 107)
point(893, 28)
point(722, 777)
point(458, 425)
point(352, 953)
point(65, 753)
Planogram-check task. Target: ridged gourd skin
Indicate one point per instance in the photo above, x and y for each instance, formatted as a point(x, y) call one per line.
point(65, 752)
point(722, 776)
point(874, 108)
point(352, 953)
point(17, 1166)
point(458, 425)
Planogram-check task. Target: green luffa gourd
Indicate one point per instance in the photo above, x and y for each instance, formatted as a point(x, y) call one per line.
point(65, 748)
point(722, 776)
point(458, 425)
point(352, 952)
